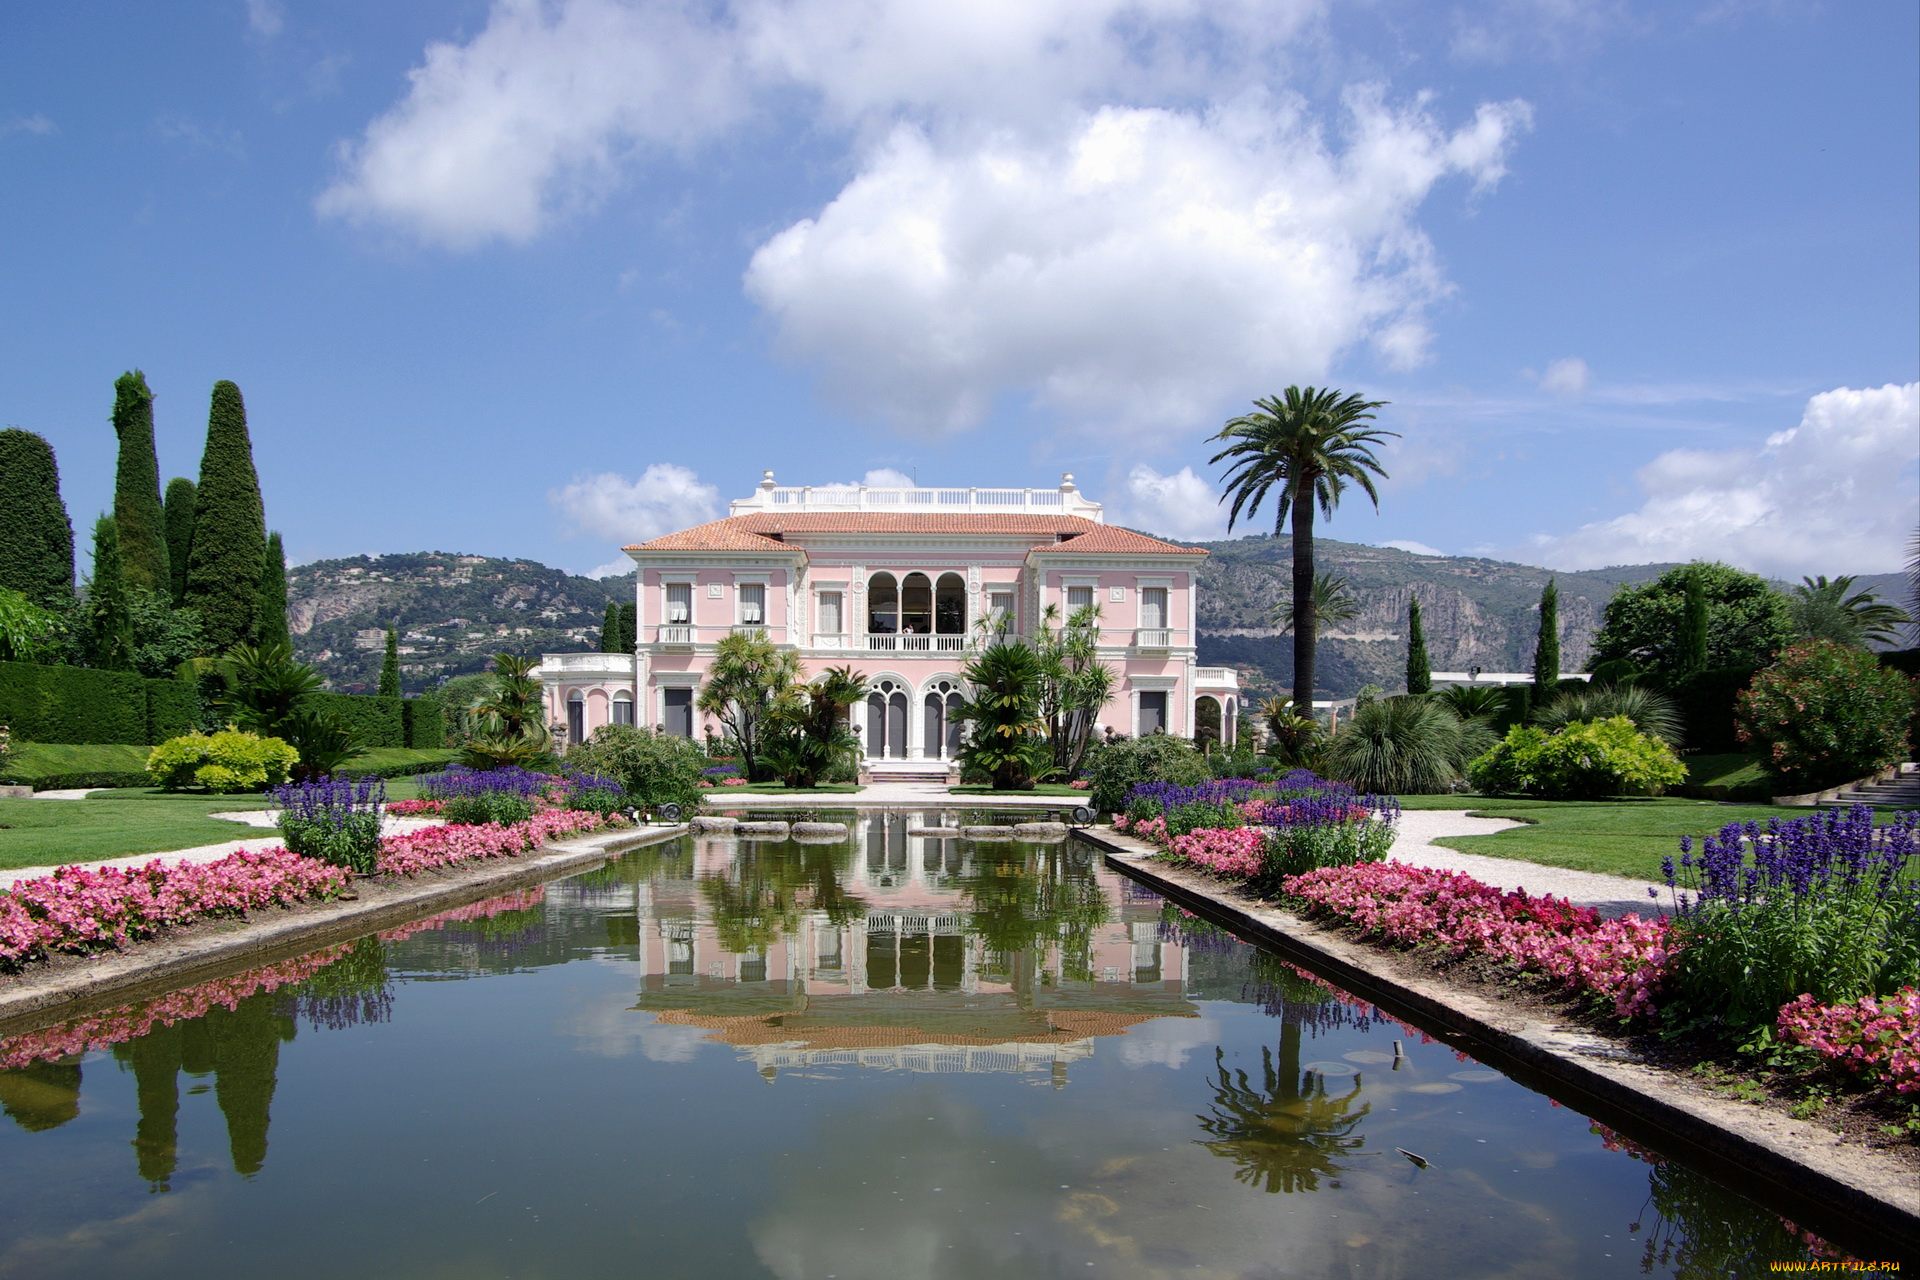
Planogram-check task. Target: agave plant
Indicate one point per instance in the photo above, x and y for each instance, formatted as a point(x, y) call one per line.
point(1474, 701)
point(1652, 712)
point(1292, 736)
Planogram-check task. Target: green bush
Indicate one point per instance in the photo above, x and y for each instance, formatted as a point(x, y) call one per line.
point(1826, 713)
point(228, 761)
point(1706, 702)
point(425, 723)
point(378, 722)
point(652, 768)
point(488, 806)
point(1584, 761)
point(1117, 767)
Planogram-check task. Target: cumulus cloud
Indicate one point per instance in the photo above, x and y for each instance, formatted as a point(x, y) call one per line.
point(1839, 493)
point(1181, 505)
point(1566, 377)
point(1104, 205)
point(1417, 548)
point(1127, 272)
point(606, 505)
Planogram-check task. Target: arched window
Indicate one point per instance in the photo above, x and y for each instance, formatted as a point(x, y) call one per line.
point(916, 605)
point(950, 605)
point(576, 717)
point(940, 722)
point(1206, 722)
point(623, 707)
point(887, 720)
point(883, 605)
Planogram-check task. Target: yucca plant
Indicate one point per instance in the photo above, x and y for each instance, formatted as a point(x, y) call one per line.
point(1404, 746)
point(1652, 712)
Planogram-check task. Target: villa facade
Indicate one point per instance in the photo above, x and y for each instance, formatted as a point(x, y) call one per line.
point(896, 583)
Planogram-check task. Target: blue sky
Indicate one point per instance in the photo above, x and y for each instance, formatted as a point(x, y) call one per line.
point(1640, 281)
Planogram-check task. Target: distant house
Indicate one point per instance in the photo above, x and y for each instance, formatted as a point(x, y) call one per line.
point(892, 582)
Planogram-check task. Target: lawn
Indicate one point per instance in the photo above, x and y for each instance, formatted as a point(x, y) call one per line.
point(1039, 789)
point(125, 821)
point(719, 794)
point(1626, 837)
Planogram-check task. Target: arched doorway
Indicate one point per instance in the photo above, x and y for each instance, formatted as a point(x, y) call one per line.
point(887, 720)
point(1206, 723)
point(950, 611)
point(576, 718)
point(916, 610)
point(940, 726)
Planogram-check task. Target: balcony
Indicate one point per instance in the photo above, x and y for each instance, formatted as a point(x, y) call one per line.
point(675, 635)
point(587, 664)
point(1153, 638)
point(829, 639)
point(919, 644)
point(757, 630)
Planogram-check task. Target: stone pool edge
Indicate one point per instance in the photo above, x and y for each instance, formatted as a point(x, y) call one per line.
point(150, 967)
point(1863, 1194)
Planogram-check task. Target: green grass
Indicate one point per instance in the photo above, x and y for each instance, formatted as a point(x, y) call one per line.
point(1039, 789)
point(1627, 837)
point(29, 762)
point(773, 788)
point(1726, 777)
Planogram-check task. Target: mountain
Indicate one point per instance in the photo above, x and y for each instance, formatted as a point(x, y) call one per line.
point(453, 613)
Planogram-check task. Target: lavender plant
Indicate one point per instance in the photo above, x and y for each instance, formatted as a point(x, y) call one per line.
point(1326, 830)
point(476, 796)
point(336, 820)
point(595, 793)
point(1827, 905)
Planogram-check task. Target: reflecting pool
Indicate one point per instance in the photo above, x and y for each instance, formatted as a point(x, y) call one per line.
point(868, 1058)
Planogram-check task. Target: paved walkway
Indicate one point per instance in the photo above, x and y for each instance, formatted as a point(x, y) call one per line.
point(1609, 895)
point(209, 852)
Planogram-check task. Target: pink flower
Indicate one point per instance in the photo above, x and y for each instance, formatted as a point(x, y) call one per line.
point(1874, 1037)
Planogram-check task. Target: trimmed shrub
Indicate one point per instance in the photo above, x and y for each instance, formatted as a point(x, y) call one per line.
point(653, 768)
point(72, 704)
point(1826, 713)
point(424, 722)
point(1584, 761)
point(1118, 767)
point(173, 709)
point(1706, 702)
point(375, 721)
point(228, 761)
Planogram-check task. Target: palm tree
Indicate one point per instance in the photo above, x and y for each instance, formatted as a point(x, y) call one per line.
point(748, 676)
point(1009, 738)
point(1331, 604)
point(1304, 448)
point(1823, 610)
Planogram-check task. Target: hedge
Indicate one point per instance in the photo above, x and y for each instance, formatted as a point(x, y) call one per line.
point(173, 709)
point(426, 723)
point(377, 720)
point(72, 704)
point(1705, 701)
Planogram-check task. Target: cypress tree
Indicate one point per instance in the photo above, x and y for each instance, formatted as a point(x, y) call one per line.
point(1546, 650)
point(137, 512)
point(179, 507)
point(36, 538)
point(273, 594)
point(610, 629)
point(229, 528)
point(112, 624)
point(1691, 646)
point(629, 627)
point(390, 667)
point(1419, 667)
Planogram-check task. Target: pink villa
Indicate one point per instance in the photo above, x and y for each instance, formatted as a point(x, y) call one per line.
point(892, 582)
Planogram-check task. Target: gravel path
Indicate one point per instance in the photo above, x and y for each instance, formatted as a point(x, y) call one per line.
point(1609, 895)
point(209, 852)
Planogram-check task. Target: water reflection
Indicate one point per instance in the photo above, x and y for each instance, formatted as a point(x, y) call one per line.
point(896, 951)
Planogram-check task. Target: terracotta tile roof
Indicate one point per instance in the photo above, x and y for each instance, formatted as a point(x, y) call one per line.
point(748, 533)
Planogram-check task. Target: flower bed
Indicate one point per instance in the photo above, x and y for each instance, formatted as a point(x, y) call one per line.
point(1620, 961)
point(80, 909)
point(1877, 1038)
point(414, 808)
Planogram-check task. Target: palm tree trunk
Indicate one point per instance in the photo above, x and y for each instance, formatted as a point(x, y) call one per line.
point(1306, 626)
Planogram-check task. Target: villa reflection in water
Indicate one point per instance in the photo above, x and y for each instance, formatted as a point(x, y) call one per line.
point(898, 951)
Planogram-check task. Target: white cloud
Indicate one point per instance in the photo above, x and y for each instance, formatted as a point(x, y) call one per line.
point(1181, 505)
point(1127, 273)
point(878, 478)
point(1566, 377)
point(1102, 204)
point(1417, 548)
point(265, 18)
point(1839, 493)
point(36, 124)
point(665, 498)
